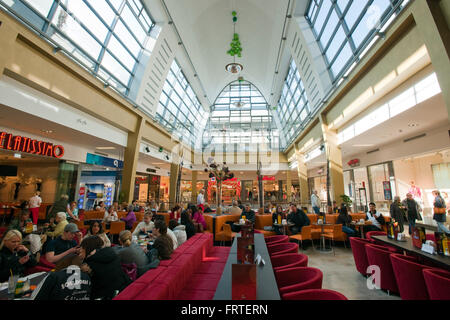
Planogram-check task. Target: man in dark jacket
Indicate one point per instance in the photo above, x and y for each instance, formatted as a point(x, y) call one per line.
point(67, 284)
point(299, 218)
point(104, 267)
point(248, 213)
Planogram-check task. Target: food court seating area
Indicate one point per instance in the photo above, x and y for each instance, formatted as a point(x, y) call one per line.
point(402, 274)
point(192, 273)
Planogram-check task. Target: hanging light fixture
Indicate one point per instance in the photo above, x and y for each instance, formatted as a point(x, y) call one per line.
point(236, 50)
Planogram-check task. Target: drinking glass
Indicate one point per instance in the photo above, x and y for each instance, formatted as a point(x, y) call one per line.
point(12, 282)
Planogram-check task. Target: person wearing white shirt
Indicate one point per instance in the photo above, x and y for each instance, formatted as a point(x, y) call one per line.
point(145, 226)
point(315, 202)
point(201, 197)
point(34, 204)
point(375, 217)
point(110, 215)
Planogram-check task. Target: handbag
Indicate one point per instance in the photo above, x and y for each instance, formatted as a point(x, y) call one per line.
point(439, 210)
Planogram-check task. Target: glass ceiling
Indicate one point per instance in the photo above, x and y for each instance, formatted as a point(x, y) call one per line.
point(240, 118)
point(107, 37)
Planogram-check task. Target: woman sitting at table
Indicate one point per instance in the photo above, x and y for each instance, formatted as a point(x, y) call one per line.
point(15, 258)
point(103, 266)
point(110, 215)
point(346, 222)
point(129, 219)
point(198, 217)
point(132, 253)
point(24, 225)
point(72, 213)
point(175, 212)
point(277, 218)
point(187, 222)
point(96, 229)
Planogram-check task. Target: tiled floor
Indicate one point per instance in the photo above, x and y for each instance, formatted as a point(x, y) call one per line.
point(340, 274)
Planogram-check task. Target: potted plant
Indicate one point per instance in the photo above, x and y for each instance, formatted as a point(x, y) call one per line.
point(347, 201)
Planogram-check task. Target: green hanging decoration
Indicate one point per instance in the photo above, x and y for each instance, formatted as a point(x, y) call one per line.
point(236, 49)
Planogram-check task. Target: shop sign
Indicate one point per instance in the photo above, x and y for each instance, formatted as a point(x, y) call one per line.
point(267, 178)
point(387, 190)
point(103, 161)
point(28, 145)
point(353, 163)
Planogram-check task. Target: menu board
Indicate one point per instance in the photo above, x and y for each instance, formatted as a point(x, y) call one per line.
point(243, 281)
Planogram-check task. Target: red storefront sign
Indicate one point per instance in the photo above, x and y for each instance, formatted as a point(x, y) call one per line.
point(28, 145)
point(267, 178)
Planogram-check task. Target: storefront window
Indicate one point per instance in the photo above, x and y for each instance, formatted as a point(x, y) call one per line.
point(382, 185)
point(361, 194)
point(67, 180)
point(320, 185)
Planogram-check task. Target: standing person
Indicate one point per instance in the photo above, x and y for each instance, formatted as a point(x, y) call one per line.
point(130, 218)
point(315, 202)
point(103, 265)
point(439, 211)
point(34, 204)
point(14, 256)
point(397, 212)
point(62, 205)
point(299, 218)
point(413, 209)
point(201, 197)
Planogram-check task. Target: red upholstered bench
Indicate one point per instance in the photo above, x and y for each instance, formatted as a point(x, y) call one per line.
point(193, 272)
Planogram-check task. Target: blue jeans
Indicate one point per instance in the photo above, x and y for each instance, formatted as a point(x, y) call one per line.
point(316, 210)
point(442, 228)
point(349, 231)
point(412, 224)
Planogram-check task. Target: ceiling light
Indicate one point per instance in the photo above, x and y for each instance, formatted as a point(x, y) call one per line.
point(413, 125)
point(106, 148)
point(17, 155)
point(239, 104)
point(47, 131)
point(234, 68)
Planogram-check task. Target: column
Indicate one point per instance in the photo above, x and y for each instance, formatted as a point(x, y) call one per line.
point(434, 28)
point(334, 157)
point(174, 171)
point(7, 39)
point(302, 177)
point(130, 160)
point(194, 187)
point(288, 185)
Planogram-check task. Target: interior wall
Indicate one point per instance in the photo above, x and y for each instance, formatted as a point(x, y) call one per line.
point(47, 171)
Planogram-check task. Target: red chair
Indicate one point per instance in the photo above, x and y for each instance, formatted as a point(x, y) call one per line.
point(409, 277)
point(282, 248)
point(314, 294)
point(380, 256)
point(374, 233)
point(438, 283)
point(359, 254)
point(276, 239)
point(296, 279)
point(44, 263)
point(290, 260)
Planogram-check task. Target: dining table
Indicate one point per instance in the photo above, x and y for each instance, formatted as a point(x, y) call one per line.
point(266, 284)
point(34, 279)
point(322, 247)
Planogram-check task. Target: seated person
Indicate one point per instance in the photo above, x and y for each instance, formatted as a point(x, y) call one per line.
point(169, 232)
point(14, 256)
point(129, 219)
point(63, 245)
point(248, 213)
point(277, 218)
point(175, 212)
point(375, 217)
point(207, 208)
point(298, 218)
point(144, 227)
point(346, 222)
point(103, 266)
point(110, 215)
point(163, 243)
point(187, 222)
point(132, 253)
point(335, 209)
point(24, 225)
point(198, 217)
point(96, 229)
point(60, 285)
point(61, 223)
point(179, 230)
point(234, 209)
